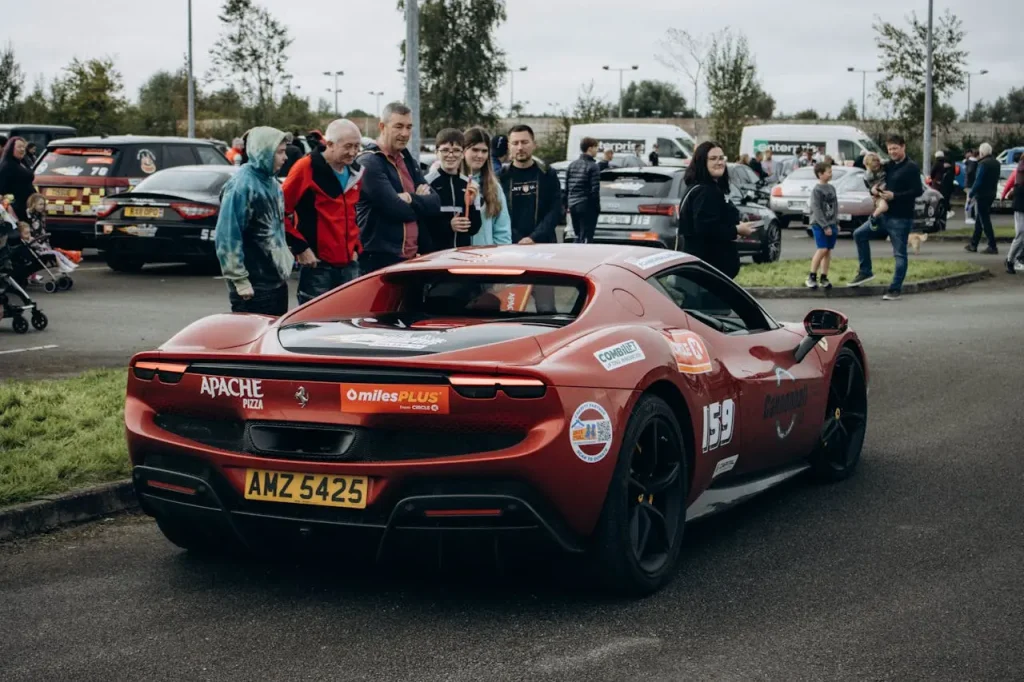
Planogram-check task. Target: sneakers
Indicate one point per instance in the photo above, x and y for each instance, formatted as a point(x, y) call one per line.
point(1019, 266)
point(950, 215)
point(812, 281)
point(1011, 269)
point(860, 279)
point(971, 247)
point(825, 284)
point(891, 296)
point(991, 251)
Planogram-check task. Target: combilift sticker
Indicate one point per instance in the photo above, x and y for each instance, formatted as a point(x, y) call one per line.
point(394, 399)
point(691, 354)
point(590, 432)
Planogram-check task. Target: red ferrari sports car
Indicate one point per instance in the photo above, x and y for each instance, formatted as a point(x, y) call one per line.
point(599, 396)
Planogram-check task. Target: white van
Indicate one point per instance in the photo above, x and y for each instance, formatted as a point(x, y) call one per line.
point(675, 146)
point(842, 143)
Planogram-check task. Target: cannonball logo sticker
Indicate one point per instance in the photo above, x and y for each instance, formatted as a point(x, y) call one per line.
point(590, 432)
point(147, 161)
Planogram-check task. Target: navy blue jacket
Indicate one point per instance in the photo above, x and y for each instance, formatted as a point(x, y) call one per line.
point(380, 214)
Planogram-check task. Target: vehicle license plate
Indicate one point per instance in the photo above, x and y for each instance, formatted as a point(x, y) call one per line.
point(798, 204)
point(323, 490)
point(615, 219)
point(60, 192)
point(143, 212)
point(845, 216)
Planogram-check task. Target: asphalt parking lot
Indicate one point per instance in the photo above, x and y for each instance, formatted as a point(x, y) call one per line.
point(908, 571)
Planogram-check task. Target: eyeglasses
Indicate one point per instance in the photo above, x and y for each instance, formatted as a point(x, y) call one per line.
point(718, 158)
point(449, 152)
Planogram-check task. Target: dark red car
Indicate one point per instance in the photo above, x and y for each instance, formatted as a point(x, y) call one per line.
point(598, 395)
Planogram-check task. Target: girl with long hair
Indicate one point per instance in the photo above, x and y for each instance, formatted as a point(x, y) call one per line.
point(497, 225)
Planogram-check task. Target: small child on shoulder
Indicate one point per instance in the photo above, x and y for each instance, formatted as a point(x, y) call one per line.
point(824, 225)
point(874, 178)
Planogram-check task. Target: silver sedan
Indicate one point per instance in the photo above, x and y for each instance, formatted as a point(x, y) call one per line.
point(790, 198)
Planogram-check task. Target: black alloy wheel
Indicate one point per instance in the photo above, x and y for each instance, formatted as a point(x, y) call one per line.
point(846, 414)
point(771, 244)
point(640, 533)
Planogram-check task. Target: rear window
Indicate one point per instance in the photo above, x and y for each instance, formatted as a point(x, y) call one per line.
point(184, 181)
point(507, 296)
point(635, 184)
point(78, 161)
point(141, 160)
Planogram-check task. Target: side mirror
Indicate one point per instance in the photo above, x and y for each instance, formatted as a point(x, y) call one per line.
point(819, 323)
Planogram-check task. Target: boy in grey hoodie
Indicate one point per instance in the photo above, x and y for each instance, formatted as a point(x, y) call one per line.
point(824, 211)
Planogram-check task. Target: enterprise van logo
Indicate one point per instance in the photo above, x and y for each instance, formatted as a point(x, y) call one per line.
point(393, 399)
point(785, 148)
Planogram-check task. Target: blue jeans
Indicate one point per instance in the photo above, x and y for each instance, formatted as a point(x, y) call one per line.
point(318, 279)
point(898, 231)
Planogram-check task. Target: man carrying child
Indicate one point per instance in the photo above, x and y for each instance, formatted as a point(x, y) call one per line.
point(824, 212)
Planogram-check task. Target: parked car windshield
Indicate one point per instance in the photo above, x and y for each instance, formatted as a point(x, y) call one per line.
point(177, 180)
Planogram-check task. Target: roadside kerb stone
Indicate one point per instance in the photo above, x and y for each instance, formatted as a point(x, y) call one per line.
point(939, 237)
point(50, 512)
point(841, 291)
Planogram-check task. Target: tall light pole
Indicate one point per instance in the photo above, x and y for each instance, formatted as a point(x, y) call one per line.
point(191, 80)
point(632, 68)
point(928, 93)
point(656, 113)
point(969, 74)
point(634, 111)
point(412, 71)
point(336, 90)
point(377, 95)
point(512, 86)
point(863, 87)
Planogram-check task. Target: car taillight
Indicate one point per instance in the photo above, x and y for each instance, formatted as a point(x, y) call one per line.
point(487, 387)
point(105, 209)
point(168, 373)
point(659, 209)
point(194, 211)
point(777, 191)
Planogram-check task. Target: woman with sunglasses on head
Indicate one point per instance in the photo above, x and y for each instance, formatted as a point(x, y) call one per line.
point(497, 226)
point(708, 222)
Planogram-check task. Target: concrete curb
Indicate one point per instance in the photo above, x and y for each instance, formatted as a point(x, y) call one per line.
point(50, 512)
point(878, 290)
point(939, 237)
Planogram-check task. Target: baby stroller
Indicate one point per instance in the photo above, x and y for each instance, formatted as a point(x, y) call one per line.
point(9, 287)
point(28, 263)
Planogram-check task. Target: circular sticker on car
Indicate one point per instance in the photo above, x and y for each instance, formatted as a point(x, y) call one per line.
point(147, 161)
point(590, 432)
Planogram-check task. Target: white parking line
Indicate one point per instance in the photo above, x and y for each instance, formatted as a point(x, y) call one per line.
point(25, 350)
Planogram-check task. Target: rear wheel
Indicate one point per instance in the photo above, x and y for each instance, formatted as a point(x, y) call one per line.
point(842, 434)
point(640, 532)
point(20, 324)
point(197, 538)
point(771, 245)
point(124, 263)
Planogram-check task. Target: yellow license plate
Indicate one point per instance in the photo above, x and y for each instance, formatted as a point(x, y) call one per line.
point(137, 212)
point(323, 490)
point(60, 192)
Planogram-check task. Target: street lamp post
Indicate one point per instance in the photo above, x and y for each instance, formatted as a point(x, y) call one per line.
point(412, 72)
point(863, 87)
point(512, 87)
point(928, 90)
point(656, 112)
point(606, 67)
point(336, 90)
point(191, 80)
point(378, 96)
point(634, 111)
point(969, 74)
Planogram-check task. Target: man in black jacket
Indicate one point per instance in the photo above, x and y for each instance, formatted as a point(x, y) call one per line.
point(983, 192)
point(533, 191)
point(903, 187)
point(454, 226)
point(583, 185)
point(394, 197)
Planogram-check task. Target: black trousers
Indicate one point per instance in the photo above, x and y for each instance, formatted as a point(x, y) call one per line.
point(983, 222)
point(266, 302)
point(584, 222)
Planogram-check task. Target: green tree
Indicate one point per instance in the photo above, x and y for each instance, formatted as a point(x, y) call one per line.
point(649, 96)
point(762, 105)
point(1009, 108)
point(12, 80)
point(806, 115)
point(251, 55)
point(686, 53)
point(732, 87)
point(358, 113)
point(903, 55)
point(849, 111)
point(293, 113)
point(980, 112)
point(224, 103)
point(35, 108)
point(89, 97)
point(461, 65)
point(588, 108)
point(163, 101)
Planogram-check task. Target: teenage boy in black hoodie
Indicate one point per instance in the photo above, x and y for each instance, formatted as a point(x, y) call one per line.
point(453, 227)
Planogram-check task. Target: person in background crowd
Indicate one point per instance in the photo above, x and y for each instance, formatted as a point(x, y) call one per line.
point(320, 197)
point(938, 166)
point(243, 155)
point(459, 220)
point(535, 195)
point(3, 141)
point(859, 161)
point(606, 162)
point(1015, 187)
point(946, 181)
point(971, 166)
point(756, 165)
point(395, 196)
point(250, 237)
point(31, 155)
point(293, 152)
point(768, 165)
point(824, 225)
point(315, 139)
point(708, 222)
point(983, 193)
point(496, 226)
point(745, 160)
point(902, 188)
point(499, 153)
point(583, 185)
point(652, 158)
point(16, 181)
point(235, 151)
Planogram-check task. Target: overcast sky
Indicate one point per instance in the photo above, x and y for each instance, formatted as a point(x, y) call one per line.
point(802, 47)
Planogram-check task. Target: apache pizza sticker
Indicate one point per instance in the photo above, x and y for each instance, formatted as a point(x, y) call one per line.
point(590, 432)
point(691, 354)
point(620, 355)
point(648, 262)
point(249, 390)
point(394, 399)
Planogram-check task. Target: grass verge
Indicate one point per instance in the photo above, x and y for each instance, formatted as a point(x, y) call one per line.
point(1004, 231)
point(793, 273)
point(60, 434)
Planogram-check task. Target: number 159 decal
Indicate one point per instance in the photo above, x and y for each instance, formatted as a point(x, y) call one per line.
point(718, 424)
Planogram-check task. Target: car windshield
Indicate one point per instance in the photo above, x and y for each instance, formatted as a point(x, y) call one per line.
point(805, 173)
point(207, 182)
point(871, 146)
point(850, 182)
point(686, 144)
point(78, 161)
point(636, 184)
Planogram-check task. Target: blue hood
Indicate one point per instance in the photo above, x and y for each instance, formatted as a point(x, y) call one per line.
point(260, 146)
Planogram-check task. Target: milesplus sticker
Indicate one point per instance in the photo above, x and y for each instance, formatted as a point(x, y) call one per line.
point(625, 353)
point(394, 399)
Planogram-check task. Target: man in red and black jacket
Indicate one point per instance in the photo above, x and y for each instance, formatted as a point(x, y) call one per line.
point(320, 196)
